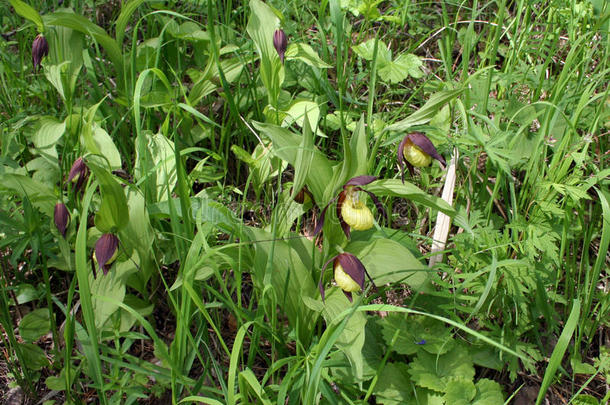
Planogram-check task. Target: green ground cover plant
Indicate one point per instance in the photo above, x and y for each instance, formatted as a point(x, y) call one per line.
point(207, 202)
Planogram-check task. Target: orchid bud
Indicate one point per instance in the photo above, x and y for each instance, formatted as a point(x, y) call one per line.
point(61, 218)
point(40, 49)
point(280, 42)
point(106, 249)
point(78, 173)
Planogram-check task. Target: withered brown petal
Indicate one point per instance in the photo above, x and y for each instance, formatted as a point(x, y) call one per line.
point(360, 180)
point(61, 216)
point(353, 267)
point(105, 248)
point(426, 145)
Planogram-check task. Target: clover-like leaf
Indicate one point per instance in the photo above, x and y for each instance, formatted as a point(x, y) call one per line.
point(434, 371)
point(417, 333)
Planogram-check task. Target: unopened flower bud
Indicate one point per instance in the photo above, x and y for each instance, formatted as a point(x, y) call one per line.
point(40, 49)
point(280, 42)
point(61, 218)
point(78, 173)
point(106, 249)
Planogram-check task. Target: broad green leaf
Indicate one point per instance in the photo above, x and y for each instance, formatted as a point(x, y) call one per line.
point(305, 54)
point(65, 60)
point(161, 151)
point(138, 235)
point(584, 400)
point(113, 214)
point(460, 391)
point(434, 372)
point(110, 285)
point(189, 31)
point(41, 196)
point(417, 333)
point(33, 356)
point(34, 325)
point(291, 275)
point(300, 110)
point(359, 150)
point(423, 396)
point(393, 386)
point(142, 307)
point(82, 24)
point(46, 137)
point(285, 145)
point(127, 10)
point(366, 50)
point(388, 261)
point(26, 293)
point(304, 158)
point(424, 114)
point(100, 143)
point(488, 393)
point(397, 70)
point(395, 188)
point(28, 12)
point(262, 24)
point(352, 338)
point(58, 383)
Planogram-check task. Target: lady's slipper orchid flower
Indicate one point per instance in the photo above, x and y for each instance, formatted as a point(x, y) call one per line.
point(351, 210)
point(61, 216)
point(417, 150)
point(40, 49)
point(280, 42)
point(78, 173)
point(106, 249)
point(349, 274)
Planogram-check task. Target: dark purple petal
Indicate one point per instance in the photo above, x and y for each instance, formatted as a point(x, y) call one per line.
point(360, 180)
point(348, 295)
point(40, 49)
point(344, 225)
point(280, 42)
point(320, 223)
point(105, 250)
point(426, 145)
point(352, 267)
point(321, 283)
point(401, 159)
point(78, 172)
point(378, 204)
point(61, 218)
